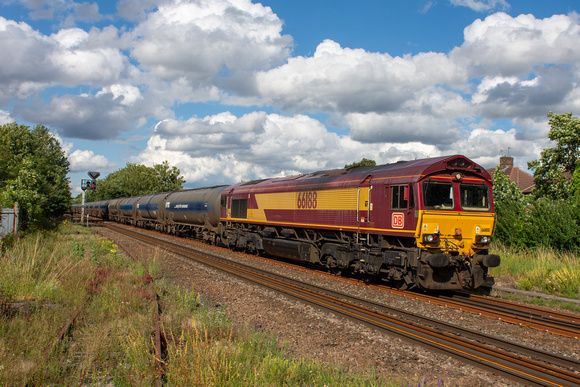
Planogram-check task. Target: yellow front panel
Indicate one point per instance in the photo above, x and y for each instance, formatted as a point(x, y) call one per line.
point(459, 228)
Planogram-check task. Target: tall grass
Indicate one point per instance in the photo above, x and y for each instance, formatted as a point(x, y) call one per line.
point(542, 269)
point(111, 340)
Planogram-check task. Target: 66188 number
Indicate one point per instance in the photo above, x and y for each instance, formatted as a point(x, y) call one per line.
point(306, 200)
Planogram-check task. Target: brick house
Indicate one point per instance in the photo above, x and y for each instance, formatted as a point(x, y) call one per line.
point(521, 178)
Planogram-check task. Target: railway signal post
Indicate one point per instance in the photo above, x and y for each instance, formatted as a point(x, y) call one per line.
point(85, 185)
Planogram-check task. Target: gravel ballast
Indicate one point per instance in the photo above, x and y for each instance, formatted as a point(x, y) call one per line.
point(313, 334)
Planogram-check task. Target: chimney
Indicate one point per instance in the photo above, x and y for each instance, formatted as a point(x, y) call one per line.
point(506, 161)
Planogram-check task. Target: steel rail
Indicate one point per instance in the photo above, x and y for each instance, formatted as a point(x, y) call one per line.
point(529, 311)
point(510, 313)
point(521, 369)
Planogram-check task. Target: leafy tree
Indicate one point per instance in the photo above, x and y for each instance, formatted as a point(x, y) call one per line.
point(167, 178)
point(510, 207)
point(528, 222)
point(33, 173)
point(363, 163)
point(137, 180)
point(553, 223)
point(556, 165)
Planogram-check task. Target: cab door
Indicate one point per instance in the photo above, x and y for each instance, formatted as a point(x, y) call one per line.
point(364, 205)
point(401, 205)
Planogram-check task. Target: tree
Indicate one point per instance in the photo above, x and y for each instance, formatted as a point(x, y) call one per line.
point(527, 222)
point(363, 163)
point(168, 179)
point(137, 180)
point(556, 165)
point(33, 173)
point(510, 206)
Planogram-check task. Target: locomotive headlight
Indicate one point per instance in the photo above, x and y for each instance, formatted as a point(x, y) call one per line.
point(430, 238)
point(483, 239)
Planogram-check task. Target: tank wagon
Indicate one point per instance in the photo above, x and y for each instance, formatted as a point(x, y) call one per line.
point(425, 223)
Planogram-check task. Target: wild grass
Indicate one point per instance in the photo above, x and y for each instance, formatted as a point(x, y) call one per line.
point(542, 269)
point(111, 341)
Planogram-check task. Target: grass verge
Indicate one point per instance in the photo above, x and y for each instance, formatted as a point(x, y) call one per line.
point(45, 277)
point(543, 269)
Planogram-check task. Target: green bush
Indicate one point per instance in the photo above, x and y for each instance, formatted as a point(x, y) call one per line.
point(526, 222)
point(552, 223)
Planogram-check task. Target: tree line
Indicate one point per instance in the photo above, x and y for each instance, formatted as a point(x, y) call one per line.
point(136, 180)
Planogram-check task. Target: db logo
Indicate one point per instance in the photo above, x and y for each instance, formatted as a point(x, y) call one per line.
point(398, 220)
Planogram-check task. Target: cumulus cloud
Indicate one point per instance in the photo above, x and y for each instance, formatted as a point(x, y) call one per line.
point(198, 40)
point(484, 146)
point(353, 80)
point(5, 117)
point(224, 149)
point(501, 97)
point(503, 45)
point(87, 160)
point(69, 57)
point(84, 116)
point(107, 81)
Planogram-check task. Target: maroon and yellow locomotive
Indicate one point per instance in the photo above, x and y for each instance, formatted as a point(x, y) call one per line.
point(425, 223)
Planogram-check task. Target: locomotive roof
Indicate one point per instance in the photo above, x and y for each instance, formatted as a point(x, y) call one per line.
point(413, 170)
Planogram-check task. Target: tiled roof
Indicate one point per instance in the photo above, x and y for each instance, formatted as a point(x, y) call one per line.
point(521, 178)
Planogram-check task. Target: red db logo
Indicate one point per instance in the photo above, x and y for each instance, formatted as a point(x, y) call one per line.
point(398, 220)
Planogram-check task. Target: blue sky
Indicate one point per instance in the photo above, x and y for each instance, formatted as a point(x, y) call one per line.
point(230, 90)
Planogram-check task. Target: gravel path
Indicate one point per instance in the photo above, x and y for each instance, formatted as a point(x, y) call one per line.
point(321, 336)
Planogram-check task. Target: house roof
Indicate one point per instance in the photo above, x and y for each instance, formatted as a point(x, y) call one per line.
point(521, 178)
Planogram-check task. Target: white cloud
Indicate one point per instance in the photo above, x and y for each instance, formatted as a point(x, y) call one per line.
point(137, 9)
point(86, 160)
point(233, 51)
point(337, 79)
point(482, 5)
point(128, 94)
point(69, 57)
point(225, 149)
point(499, 97)
point(199, 39)
point(85, 116)
point(5, 117)
point(503, 45)
point(484, 146)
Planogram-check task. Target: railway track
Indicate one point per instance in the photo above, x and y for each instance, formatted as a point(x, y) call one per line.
point(562, 324)
point(527, 316)
point(540, 368)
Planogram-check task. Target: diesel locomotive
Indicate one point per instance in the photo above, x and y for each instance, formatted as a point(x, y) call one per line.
point(424, 223)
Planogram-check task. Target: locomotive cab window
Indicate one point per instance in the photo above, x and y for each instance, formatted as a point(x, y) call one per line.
point(438, 195)
point(474, 197)
point(402, 197)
